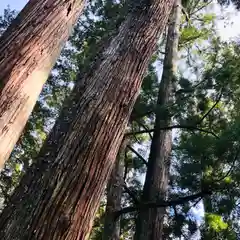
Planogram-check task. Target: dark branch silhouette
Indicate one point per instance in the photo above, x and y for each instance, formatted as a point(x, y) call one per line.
point(187, 127)
point(231, 167)
point(214, 105)
point(145, 128)
point(130, 193)
point(138, 155)
point(162, 203)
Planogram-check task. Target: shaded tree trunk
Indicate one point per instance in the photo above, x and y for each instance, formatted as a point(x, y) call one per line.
point(29, 49)
point(111, 229)
point(58, 198)
point(149, 225)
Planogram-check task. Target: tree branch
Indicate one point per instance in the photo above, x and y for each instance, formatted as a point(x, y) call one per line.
point(214, 105)
point(201, 7)
point(232, 166)
point(160, 204)
point(134, 116)
point(144, 127)
point(184, 11)
point(161, 52)
point(187, 127)
point(130, 193)
point(138, 155)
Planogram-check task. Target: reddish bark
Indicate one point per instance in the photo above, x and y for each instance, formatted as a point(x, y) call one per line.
point(28, 51)
point(59, 200)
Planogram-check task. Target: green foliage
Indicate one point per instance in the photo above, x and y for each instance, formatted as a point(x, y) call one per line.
point(207, 160)
point(215, 222)
point(191, 33)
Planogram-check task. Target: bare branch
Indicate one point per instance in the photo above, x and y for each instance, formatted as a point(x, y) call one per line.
point(232, 166)
point(202, 7)
point(160, 204)
point(214, 105)
point(135, 116)
point(161, 52)
point(184, 11)
point(195, 204)
point(145, 128)
point(187, 127)
point(130, 193)
point(138, 155)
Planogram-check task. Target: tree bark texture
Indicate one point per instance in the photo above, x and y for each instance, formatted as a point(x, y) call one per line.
point(149, 225)
point(28, 51)
point(58, 198)
point(111, 229)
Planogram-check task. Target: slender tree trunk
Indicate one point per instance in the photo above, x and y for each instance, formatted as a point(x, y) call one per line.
point(149, 224)
point(28, 51)
point(111, 229)
point(61, 200)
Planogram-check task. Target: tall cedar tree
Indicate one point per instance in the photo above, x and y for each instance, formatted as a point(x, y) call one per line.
point(124, 188)
point(29, 49)
point(123, 220)
point(150, 221)
point(58, 198)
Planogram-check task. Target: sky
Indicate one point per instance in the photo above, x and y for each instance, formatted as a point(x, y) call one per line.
point(14, 4)
point(228, 28)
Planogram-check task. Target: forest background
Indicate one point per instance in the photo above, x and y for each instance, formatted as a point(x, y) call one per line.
point(226, 27)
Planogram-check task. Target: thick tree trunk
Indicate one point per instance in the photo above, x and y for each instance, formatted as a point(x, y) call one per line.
point(58, 199)
point(149, 225)
point(28, 51)
point(111, 229)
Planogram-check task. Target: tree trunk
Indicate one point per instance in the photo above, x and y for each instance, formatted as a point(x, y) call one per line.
point(58, 198)
point(149, 225)
point(29, 49)
point(111, 229)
